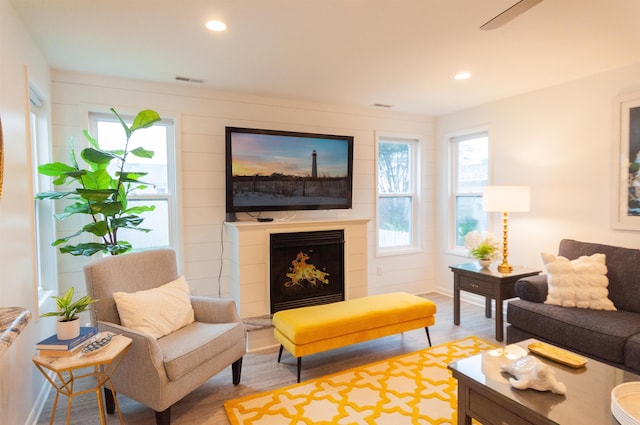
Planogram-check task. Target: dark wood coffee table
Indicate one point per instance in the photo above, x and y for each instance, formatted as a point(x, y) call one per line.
point(484, 393)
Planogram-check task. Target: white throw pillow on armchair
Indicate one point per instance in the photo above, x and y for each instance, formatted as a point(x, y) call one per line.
point(580, 283)
point(158, 311)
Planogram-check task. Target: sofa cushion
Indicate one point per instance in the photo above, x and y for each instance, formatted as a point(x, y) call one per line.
point(623, 270)
point(192, 345)
point(599, 333)
point(578, 283)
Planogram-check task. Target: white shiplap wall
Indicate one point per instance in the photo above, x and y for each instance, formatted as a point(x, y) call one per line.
point(202, 115)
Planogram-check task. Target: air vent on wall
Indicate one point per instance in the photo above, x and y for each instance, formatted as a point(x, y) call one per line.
point(189, 80)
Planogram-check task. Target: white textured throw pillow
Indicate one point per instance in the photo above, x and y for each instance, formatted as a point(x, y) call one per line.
point(158, 311)
point(578, 283)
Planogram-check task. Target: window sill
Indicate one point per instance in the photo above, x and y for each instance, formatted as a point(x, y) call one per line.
point(398, 251)
point(458, 252)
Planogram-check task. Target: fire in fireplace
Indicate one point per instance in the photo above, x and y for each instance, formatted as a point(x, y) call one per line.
point(306, 268)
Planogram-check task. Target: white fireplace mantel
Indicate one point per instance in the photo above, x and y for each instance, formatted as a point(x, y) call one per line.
point(248, 250)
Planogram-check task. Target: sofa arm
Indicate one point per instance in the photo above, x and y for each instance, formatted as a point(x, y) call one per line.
point(533, 288)
point(214, 310)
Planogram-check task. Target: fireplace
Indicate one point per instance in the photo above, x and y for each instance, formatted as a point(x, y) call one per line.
point(306, 268)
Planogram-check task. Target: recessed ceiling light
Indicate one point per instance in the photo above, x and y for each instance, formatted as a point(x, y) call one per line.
point(215, 25)
point(462, 76)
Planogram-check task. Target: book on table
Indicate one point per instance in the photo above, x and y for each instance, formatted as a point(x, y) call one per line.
point(63, 353)
point(53, 343)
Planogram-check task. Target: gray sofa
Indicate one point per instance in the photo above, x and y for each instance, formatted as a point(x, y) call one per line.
point(612, 337)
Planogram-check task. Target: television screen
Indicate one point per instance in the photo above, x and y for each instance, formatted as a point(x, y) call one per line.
point(269, 170)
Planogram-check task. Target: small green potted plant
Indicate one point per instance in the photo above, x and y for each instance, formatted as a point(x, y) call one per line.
point(482, 246)
point(68, 324)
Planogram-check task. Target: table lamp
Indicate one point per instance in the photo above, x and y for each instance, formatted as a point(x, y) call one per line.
point(505, 199)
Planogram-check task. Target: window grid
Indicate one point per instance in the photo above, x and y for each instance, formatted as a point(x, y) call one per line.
point(161, 191)
point(397, 202)
point(470, 165)
point(43, 212)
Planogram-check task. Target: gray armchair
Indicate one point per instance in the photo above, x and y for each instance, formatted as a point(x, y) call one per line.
point(158, 373)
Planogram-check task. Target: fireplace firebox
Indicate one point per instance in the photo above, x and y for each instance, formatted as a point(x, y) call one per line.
point(306, 268)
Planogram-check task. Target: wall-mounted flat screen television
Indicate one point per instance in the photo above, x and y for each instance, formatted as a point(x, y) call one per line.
point(268, 170)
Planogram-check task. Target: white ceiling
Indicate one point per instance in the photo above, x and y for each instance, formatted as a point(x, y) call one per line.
point(358, 52)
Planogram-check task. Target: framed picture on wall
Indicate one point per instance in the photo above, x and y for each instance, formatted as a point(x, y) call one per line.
point(625, 213)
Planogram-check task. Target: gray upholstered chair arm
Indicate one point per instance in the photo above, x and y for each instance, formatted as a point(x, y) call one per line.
point(214, 310)
point(143, 347)
point(533, 288)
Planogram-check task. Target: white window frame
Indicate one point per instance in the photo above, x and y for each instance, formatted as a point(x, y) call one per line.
point(172, 197)
point(414, 143)
point(45, 258)
point(454, 194)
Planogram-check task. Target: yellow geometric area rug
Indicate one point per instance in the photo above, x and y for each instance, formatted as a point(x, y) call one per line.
point(414, 388)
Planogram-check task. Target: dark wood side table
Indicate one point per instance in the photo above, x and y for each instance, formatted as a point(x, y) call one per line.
point(490, 283)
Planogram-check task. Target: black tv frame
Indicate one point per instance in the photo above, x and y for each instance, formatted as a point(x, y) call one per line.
point(283, 204)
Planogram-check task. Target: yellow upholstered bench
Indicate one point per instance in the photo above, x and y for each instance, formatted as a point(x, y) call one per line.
point(308, 330)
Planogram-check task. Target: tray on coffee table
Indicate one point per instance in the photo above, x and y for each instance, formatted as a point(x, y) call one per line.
point(557, 354)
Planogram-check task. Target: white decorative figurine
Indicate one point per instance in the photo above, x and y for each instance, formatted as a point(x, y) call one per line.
point(529, 372)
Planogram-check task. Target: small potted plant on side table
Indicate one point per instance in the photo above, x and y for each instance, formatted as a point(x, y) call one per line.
point(483, 246)
point(68, 324)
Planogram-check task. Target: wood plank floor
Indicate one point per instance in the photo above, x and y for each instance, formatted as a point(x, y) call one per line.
point(261, 372)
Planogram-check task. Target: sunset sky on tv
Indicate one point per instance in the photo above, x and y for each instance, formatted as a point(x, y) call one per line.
point(262, 154)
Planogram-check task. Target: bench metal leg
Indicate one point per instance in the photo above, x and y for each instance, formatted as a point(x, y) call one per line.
point(299, 361)
point(428, 337)
point(280, 353)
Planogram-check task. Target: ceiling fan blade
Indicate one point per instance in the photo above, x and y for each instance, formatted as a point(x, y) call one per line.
point(509, 14)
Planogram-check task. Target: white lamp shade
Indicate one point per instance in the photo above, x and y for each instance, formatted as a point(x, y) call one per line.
point(506, 198)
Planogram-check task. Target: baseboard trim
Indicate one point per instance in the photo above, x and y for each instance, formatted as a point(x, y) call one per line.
point(40, 401)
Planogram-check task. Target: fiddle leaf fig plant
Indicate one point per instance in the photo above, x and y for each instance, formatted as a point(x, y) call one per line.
point(100, 195)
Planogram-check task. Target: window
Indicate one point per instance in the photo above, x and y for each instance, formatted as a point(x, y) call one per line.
point(470, 174)
point(44, 223)
point(161, 190)
point(397, 193)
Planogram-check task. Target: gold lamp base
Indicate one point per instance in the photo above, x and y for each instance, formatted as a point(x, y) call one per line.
point(505, 268)
point(505, 199)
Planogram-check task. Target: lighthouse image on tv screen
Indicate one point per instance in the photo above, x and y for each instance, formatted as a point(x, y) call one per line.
point(275, 170)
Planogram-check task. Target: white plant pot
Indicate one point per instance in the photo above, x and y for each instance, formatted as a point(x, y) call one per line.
point(69, 329)
point(485, 263)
